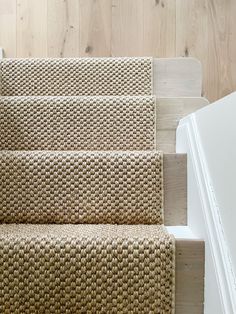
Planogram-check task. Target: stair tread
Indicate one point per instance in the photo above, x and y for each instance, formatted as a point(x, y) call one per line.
point(77, 123)
point(76, 76)
point(81, 187)
point(99, 269)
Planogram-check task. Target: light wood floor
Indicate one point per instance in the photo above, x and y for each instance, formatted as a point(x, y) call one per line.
point(161, 28)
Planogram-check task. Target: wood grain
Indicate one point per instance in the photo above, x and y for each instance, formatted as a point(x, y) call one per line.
point(143, 28)
point(63, 28)
point(205, 29)
point(95, 28)
point(127, 27)
point(177, 77)
point(175, 187)
point(169, 112)
point(160, 28)
point(190, 268)
point(8, 27)
point(31, 28)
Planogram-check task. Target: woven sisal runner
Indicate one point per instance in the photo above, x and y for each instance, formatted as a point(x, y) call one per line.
point(86, 269)
point(76, 76)
point(81, 187)
point(83, 176)
point(77, 123)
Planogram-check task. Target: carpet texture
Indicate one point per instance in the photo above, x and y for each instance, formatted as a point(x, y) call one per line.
point(81, 187)
point(76, 76)
point(77, 123)
point(86, 269)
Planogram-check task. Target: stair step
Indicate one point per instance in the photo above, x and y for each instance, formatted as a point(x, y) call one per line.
point(77, 123)
point(175, 189)
point(81, 187)
point(189, 271)
point(97, 268)
point(76, 76)
point(177, 77)
point(174, 177)
point(169, 113)
point(189, 278)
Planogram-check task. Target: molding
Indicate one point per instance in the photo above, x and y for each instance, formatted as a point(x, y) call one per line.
point(181, 232)
point(188, 140)
point(1, 53)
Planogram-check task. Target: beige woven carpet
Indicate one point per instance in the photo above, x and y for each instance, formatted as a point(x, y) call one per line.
point(81, 187)
point(86, 269)
point(77, 123)
point(78, 76)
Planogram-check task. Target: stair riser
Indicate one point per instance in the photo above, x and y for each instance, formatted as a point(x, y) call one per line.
point(189, 276)
point(175, 189)
point(169, 113)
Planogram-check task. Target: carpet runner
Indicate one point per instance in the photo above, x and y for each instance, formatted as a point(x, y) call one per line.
point(81, 189)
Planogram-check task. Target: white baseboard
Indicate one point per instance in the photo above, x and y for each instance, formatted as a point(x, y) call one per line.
point(204, 221)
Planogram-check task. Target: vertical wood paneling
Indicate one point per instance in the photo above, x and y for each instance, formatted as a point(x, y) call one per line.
point(95, 28)
point(127, 27)
point(8, 27)
point(159, 28)
point(31, 28)
point(63, 28)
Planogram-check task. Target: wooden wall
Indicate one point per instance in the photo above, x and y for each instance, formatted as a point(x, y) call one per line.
point(163, 28)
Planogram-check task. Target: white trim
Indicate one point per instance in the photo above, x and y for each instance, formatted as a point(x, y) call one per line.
point(181, 232)
point(1, 53)
point(188, 140)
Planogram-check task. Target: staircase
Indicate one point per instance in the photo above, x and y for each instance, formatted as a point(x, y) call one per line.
point(92, 189)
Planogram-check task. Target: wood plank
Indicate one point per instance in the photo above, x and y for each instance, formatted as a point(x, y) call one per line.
point(169, 112)
point(189, 281)
point(95, 28)
point(175, 187)
point(63, 28)
point(158, 28)
point(143, 28)
point(177, 77)
point(31, 28)
point(166, 140)
point(206, 30)
point(127, 27)
point(220, 72)
point(8, 27)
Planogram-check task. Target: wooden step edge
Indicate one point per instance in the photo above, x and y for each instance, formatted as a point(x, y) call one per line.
point(170, 110)
point(189, 278)
point(175, 189)
point(177, 77)
point(190, 271)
